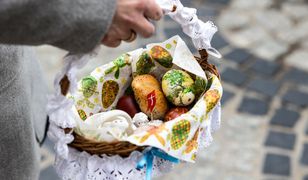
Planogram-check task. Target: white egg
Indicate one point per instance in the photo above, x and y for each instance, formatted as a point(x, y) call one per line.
point(187, 98)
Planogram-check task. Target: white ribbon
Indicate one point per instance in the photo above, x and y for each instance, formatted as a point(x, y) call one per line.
point(61, 140)
point(201, 33)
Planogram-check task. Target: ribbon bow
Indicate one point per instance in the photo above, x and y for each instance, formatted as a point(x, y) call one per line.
point(148, 157)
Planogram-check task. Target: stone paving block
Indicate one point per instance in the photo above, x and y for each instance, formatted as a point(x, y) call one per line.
point(234, 76)
point(49, 174)
point(306, 131)
point(295, 10)
point(254, 106)
point(227, 95)
point(285, 117)
point(296, 97)
point(281, 140)
point(207, 12)
point(239, 56)
point(270, 49)
point(298, 59)
point(265, 67)
point(223, 2)
point(186, 3)
point(277, 164)
point(297, 76)
point(218, 41)
point(304, 157)
point(227, 21)
point(266, 87)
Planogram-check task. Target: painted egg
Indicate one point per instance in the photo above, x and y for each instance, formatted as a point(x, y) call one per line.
point(178, 87)
point(144, 64)
point(180, 133)
point(211, 98)
point(199, 86)
point(82, 114)
point(162, 56)
point(128, 104)
point(175, 112)
point(109, 92)
point(88, 86)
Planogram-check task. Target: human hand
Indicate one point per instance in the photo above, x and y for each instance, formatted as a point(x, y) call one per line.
point(131, 17)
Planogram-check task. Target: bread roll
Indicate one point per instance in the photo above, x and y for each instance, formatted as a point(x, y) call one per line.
point(144, 86)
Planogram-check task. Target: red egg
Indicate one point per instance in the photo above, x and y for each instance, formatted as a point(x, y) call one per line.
point(128, 104)
point(175, 112)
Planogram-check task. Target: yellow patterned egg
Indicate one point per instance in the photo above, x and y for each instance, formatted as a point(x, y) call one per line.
point(162, 56)
point(82, 114)
point(211, 98)
point(110, 91)
point(180, 133)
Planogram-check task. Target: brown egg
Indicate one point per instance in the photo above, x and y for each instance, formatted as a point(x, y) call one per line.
point(128, 104)
point(175, 112)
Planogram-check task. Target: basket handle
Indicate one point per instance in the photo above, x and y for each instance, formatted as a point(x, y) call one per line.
point(205, 65)
point(200, 32)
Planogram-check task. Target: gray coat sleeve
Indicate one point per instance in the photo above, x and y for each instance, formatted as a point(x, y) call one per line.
point(74, 25)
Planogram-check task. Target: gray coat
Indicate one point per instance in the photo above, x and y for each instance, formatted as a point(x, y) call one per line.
point(73, 25)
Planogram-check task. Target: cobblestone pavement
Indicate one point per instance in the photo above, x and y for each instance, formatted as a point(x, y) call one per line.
point(264, 132)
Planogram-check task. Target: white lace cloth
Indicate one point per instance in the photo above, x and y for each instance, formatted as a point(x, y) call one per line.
point(74, 165)
point(201, 33)
point(85, 167)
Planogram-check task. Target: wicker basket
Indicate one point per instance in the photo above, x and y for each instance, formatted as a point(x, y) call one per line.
point(120, 148)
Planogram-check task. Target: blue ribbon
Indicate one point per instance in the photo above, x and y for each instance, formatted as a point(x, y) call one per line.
point(148, 157)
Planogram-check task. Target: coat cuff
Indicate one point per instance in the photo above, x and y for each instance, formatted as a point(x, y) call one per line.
point(90, 28)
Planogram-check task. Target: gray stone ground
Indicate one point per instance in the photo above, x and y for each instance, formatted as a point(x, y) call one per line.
point(265, 76)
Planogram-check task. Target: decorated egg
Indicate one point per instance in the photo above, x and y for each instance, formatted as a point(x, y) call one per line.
point(175, 112)
point(82, 114)
point(211, 98)
point(180, 133)
point(144, 64)
point(178, 87)
point(88, 86)
point(200, 86)
point(128, 104)
point(162, 56)
point(109, 92)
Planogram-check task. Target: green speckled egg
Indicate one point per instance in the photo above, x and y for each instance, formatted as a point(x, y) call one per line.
point(144, 64)
point(88, 86)
point(178, 87)
point(199, 86)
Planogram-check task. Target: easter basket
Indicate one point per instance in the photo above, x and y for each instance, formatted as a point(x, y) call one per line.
point(121, 148)
point(94, 140)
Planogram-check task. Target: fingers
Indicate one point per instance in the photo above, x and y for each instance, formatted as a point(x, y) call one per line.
point(116, 34)
point(144, 27)
point(132, 16)
point(153, 11)
point(111, 40)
